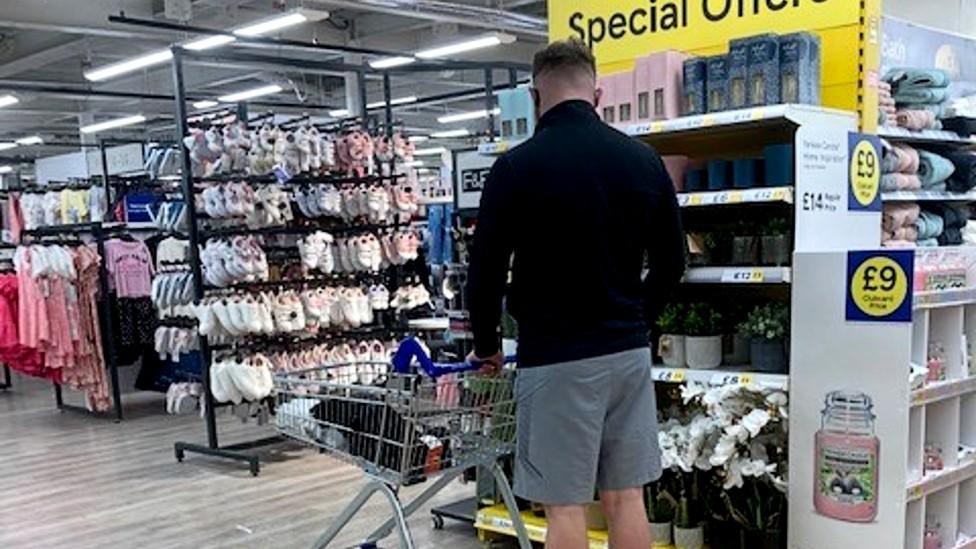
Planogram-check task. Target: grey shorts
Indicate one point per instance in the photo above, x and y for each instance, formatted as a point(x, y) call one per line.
point(584, 425)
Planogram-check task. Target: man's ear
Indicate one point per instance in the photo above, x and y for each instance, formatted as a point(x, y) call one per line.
point(597, 96)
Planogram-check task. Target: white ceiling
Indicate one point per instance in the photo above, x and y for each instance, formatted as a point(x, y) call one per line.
point(50, 43)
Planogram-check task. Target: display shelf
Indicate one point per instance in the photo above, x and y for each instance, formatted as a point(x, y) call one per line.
point(764, 195)
point(739, 275)
point(967, 427)
point(442, 323)
point(944, 298)
point(495, 519)
point(944, 505)
point(915, 524)
point(950, 476)
point(916, 444)
point(928, 196)
point(434, 200)
point(945, 329)
point(736, 375)
point(967, 512)
point(943, 391)
point(774, 115)
point(924, 136)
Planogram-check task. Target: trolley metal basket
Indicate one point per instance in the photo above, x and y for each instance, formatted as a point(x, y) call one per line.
point(403, 424)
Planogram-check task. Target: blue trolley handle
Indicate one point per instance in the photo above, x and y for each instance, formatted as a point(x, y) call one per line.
point(410, 349)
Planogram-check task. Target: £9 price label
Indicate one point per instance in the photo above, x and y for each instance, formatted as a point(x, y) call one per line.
point(879, 286)
point(865, 172)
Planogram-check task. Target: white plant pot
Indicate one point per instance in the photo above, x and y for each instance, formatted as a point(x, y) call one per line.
point(661, 534)
point(672, 350)
point(689, 538)
point(703, 353)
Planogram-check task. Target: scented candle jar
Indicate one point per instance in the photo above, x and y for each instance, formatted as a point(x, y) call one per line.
point(847, 453)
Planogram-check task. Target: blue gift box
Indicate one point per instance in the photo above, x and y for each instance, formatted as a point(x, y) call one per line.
point(695, 180)
point(738, 73)
point(719, 175)
point(764, 87)
point(694, 82)
point(717, 83)
point(747, 173)
point(799, 60)
point(779, 165)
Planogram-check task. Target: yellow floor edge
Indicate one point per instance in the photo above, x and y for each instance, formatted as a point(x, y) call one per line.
point(495, 519)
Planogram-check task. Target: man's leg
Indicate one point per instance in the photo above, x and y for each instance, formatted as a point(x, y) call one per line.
point(566, 527)
point(625, 514)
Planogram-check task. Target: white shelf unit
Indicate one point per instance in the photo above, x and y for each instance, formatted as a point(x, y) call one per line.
point(933, 137)
point(734, 375)
point(928, 196)
point(944, 414)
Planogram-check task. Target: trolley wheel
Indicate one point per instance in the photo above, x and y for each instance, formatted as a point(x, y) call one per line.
point(180, 455)
point(438, 522)
point(369, 546)
point(255, 468)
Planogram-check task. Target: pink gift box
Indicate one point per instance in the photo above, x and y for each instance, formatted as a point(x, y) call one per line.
point(617, 103)
point(657, 86)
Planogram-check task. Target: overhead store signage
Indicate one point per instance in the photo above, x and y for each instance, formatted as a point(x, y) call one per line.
point(879, 286)
point(864, 155)
point(623, 30)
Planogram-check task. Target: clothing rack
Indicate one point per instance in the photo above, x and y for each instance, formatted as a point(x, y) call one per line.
point(98, 232)
point(297, 180)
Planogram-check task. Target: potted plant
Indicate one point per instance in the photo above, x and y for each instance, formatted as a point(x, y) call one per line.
point(768, 326)
point(759, 509)
point(671, 344)
point(735, 345)
point(689, 532)
point(745, 245)
point(700, 247)
point(703, 341)
point(776, 242)
point(660, 513)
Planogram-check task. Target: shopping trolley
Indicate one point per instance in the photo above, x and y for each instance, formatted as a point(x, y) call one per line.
point(402, 424)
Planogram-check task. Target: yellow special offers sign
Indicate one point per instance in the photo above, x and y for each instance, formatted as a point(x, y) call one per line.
point(622, 30)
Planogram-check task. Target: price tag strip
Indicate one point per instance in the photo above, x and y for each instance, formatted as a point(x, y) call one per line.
point(714, 378)
point(743, 276)
point(719, 198)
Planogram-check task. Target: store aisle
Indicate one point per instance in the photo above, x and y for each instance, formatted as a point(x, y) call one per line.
point(77, 482)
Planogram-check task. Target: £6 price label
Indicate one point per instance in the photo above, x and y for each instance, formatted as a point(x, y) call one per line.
point(879, 286)
point(864, 153)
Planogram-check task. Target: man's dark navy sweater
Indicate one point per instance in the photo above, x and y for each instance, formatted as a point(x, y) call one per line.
point(575, 208)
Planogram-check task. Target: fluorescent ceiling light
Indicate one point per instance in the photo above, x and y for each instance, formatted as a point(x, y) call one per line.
point(478, 43)
point(122, 67)
point(463, 132)
point(430, 152)
point(249, 94)
point(32, 140)
point(418, 138)
point(273, 24)
point(6, 169)
point(462, 116)
point(110, 124)
point(214, 41)
point(395, 101)
point(390, 62)
point(7, 100)
point(339, 113)
point(7, 145)
point(205, 104)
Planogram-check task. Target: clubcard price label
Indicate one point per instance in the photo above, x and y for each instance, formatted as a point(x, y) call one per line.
point(669, 376)
point(732, 379)
point(879, 286)
point(743, 276)
point(864, 153)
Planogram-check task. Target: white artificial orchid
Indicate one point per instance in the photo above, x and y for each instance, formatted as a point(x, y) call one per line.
point(755, 421)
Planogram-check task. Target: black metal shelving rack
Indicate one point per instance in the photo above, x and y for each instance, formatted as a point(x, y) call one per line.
point(239, 452)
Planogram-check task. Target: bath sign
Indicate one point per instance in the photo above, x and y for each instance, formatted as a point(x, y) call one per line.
point(879, 286)
point(865, 172)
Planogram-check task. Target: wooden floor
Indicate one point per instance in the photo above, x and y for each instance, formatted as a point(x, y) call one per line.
point(74, 481)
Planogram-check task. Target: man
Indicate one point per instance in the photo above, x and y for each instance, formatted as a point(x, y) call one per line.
point(575, 209)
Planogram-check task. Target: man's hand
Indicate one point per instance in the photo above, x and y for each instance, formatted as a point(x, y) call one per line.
point(489, 365)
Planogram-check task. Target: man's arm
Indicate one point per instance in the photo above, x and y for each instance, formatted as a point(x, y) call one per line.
point(665, 249)
point(490, 257)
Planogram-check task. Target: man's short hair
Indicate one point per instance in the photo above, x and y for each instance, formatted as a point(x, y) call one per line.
point(564, 55)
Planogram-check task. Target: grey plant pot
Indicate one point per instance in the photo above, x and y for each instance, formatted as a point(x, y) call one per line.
point(775, 250)
point(736, 350)
point(703, 352)
point(689, 538)
point(768, 355)
point(661, 534)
